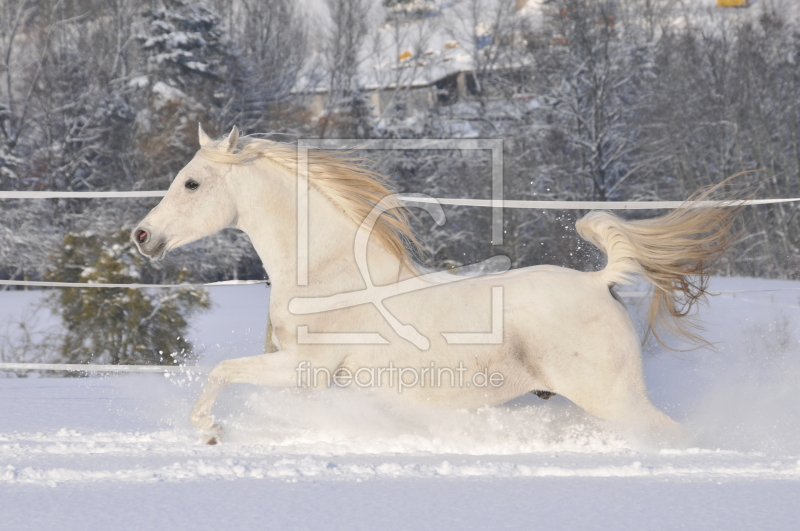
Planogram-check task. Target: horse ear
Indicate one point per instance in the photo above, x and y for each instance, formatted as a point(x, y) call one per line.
point(204, 138)
point(232, 140)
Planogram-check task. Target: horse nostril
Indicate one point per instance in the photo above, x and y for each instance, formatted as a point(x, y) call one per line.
point(141, 236)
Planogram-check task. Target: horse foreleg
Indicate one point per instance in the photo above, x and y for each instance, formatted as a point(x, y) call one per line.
point(278, 369)
point(271, 342)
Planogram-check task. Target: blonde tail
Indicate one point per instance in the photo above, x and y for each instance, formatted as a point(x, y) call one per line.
point(675, 253)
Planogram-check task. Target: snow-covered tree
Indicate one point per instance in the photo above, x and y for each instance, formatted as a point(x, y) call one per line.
point(119, 326)
point(20, 67)
point(592, 76)
point(347, 111)
point(182, 44)
point(272, 44)
point(185, 62)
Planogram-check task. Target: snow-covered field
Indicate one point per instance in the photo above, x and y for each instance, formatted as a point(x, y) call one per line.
point(118, 452)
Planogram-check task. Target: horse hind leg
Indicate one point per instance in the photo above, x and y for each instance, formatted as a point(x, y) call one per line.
point(630, 411)
point(610, 386)
point(643, 422)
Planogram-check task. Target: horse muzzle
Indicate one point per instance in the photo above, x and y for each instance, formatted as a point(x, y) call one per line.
point(151, 246)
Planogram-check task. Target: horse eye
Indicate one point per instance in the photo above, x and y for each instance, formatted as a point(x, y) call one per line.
point(192, 185)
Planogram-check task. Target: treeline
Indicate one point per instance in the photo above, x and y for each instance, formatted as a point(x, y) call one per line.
point(597, 100)
point(107, 95)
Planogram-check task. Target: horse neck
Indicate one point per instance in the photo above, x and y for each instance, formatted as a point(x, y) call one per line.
point(266, 198)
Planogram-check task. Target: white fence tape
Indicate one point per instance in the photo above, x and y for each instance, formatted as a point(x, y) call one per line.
point(589, 205)
point(81, 195)
point(80, 367)
point(42, 284)
point(639, 294)
point(489, 203)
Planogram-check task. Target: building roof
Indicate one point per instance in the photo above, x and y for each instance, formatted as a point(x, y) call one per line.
point(439, 38)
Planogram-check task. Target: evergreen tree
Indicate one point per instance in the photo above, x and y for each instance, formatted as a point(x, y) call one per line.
point(185, 62)
point(182, 45)
point(119, 325)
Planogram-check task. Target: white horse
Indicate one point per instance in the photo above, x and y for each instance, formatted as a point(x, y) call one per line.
point(366, 318)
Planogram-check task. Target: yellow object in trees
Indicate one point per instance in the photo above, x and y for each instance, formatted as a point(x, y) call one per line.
point(733, 3)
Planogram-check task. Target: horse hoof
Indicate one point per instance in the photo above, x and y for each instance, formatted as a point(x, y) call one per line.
point(213, 437)
point(545, 395)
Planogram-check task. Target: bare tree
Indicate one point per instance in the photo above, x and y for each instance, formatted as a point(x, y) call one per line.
point(272, 45)
point(21, 59)
point(346, 108)
point(489, 33)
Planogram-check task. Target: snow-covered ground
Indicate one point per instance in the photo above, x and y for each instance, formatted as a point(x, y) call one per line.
point(118, 452)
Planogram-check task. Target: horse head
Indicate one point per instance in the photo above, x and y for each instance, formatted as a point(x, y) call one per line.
point(197, 204)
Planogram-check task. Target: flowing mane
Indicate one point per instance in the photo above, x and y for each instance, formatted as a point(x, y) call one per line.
point(344, 179)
